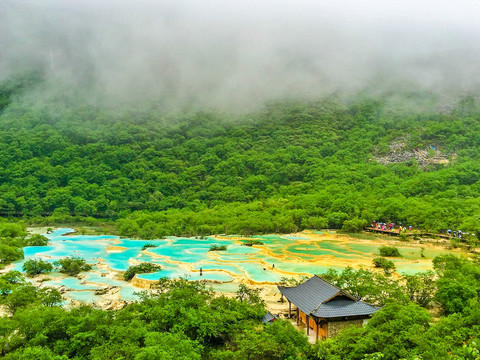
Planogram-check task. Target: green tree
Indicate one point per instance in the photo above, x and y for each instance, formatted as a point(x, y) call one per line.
point(388, 251)
point(13, 277)
point(249, 295)
point(354, 225)
point(458, 283)
point(73, 265)
point(36, 352)
point(49, 296)
point(170, 347)
point(142, 268)
point(421, 287)
point(23, 296)
point(34, 267)
point(393, 333)
point(387, 265)
point(9, 254)
point(454, 296)
point(36, 240)
point(5, 287)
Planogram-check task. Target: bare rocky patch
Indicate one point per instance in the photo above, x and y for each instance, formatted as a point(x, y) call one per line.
point(398, 151)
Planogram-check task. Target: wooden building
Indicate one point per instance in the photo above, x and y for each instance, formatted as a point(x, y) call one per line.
point(325, 308)
point(269, 318)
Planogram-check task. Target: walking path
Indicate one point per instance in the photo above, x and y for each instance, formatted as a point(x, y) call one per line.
point(396, 232)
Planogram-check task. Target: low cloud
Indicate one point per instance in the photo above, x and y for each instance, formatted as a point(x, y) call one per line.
point(239, 54)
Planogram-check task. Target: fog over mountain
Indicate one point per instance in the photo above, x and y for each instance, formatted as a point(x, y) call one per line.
point(237, 54)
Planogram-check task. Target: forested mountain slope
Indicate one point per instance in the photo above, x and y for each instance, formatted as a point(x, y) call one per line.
point(288, 166)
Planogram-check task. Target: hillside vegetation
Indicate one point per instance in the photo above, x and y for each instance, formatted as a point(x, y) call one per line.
point(292, 165)
point(183, 319)
point(289, 166)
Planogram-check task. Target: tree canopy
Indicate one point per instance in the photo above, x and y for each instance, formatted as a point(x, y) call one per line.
point(73, 265)
point(186, 320)
point(292, 165)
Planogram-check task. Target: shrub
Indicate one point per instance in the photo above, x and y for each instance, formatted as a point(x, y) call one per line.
point(216, 247)
point(13, 277)
point(9, 254)
point(143, 268)
point(73, 265)
point(252, 242)
point(387, 265)
point(149, 245)
point(389, 251)
point(34, 267)
point(36, 240)
point(353, 225)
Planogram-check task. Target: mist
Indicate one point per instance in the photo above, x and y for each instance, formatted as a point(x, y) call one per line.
point(239, 54)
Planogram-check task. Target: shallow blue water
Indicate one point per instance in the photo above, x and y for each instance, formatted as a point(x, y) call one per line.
point(72, 283)
point(207, 275)
point(33, 250)
point(87, 296)
point(183, 257)
point(295, 237)
point(230, 268)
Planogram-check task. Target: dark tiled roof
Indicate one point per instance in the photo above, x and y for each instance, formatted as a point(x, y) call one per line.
point(344, 307)
point(309, 295)
point(319, 298)
point(268, 317)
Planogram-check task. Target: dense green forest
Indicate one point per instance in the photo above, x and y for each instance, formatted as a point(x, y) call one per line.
point(430, 316)
point(289, 166)
point(286, 167)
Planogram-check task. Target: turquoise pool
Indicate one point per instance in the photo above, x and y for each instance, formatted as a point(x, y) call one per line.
point(277, 257)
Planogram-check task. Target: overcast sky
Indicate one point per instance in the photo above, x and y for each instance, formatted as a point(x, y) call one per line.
point(222, 53)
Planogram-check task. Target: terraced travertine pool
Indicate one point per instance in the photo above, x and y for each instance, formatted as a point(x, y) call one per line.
point(280, 256)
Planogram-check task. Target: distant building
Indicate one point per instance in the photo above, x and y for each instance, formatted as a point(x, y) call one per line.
point(268, 318)
point(325, 308)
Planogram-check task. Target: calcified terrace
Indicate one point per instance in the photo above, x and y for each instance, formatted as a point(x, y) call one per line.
point(278, 256)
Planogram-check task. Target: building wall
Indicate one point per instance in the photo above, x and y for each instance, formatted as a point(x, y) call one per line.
point(313, 324)
point(311, 321)
point(330, 328)
point(303, 317)
point(322, 330)
point(334, 327)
